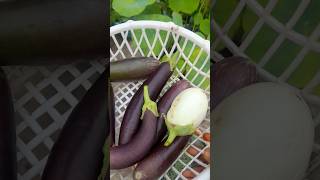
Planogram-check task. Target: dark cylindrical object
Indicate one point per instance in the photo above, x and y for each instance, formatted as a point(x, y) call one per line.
point(8, 159)
point(133, 68)
point(164, 105)
point(77, 154)
point(53, 32)
point(126, 155)
point(131, 118)
point(230, 75)
point(160, 159)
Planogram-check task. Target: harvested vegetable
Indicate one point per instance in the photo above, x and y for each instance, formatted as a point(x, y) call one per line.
point(133, 68)
point(187, 111)
point(160, 159)
point(192, 151)
point(188, 174)
point(8, 159)
point(155, 83)
point(206, 155)
point(164, 105)
point(52, 32)
point(230, 75)
point(126, 155)
point(111, 111)
point(77, 154)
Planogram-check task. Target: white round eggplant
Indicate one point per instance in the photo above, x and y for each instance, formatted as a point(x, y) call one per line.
point(186, 113)
point(262, 132)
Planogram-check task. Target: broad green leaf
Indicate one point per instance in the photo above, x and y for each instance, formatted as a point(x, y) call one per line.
point(185, 6)
point(177, 18)
point(205, 26)
point(155, 17)
point(197, 18)
point(154, 8)
point(201, 35)
point(129, 8)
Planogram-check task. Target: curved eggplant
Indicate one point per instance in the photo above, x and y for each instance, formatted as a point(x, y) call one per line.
point(230, 75)
point(111, 109)
point(8, 158)
point(52, 32)
point(131, 118)
point(126, 155)
point(77, 154)
point(164, 105)
point(160, 159)
point(133, 68)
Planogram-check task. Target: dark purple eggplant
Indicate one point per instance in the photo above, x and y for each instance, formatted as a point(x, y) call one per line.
point(164, 105)
point(133, 68)
point(111, 110)
point(8, 159)
point(160, 159)
point(230, 75)
point(131, 119)
point(36, 32)
point(77, 154)
point(126, 155)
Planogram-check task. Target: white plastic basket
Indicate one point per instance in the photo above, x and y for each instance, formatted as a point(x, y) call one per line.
point(133, 39)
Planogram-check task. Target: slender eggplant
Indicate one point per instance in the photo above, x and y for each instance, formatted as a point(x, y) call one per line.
point(52, 32)
point(126, 155)
point(164, 105)
point(77, 154)
point(230, 75)
point(160, 159)
point(111, 110)
point(133, 68)
point(155, 82)
point(8, 159)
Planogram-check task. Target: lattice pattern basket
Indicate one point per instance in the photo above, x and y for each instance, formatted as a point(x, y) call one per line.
point(282, 38)
point(158, 39)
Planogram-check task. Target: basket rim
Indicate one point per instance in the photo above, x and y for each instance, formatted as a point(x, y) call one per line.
point(168, 26)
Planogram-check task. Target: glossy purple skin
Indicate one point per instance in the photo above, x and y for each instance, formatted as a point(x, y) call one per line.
point(126, 155)
point(160, 159)
point(131, 118)
point(230, 75)
point(164, 105)
point(77, 154)
point(8, 159)
point(112, 119)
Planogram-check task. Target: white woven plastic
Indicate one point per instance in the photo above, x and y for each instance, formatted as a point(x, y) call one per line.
point(126, 40)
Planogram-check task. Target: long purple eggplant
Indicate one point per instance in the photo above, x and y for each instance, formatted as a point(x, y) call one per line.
point(77, 154)
point(126, 155)
point(111, 107)
point(8, 159)
point(160, 159)
point(164, 105)
point(155, 82)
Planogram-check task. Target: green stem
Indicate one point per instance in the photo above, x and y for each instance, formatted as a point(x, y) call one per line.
point(171, 60)
point(148, 103)
point(171, 137)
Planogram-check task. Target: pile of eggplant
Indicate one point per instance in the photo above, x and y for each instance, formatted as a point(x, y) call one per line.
point(152, 135)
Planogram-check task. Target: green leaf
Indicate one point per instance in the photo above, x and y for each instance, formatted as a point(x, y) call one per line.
point(205, 26)
point(154, 8)
point(201, 35)
point(197, 18)
point(185, 6)
point(129, 8)
point(177, 18)
point(155, 17)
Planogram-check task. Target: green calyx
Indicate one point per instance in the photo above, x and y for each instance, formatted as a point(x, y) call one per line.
point(148, 103)
point(177, 130)
point(172, 61)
